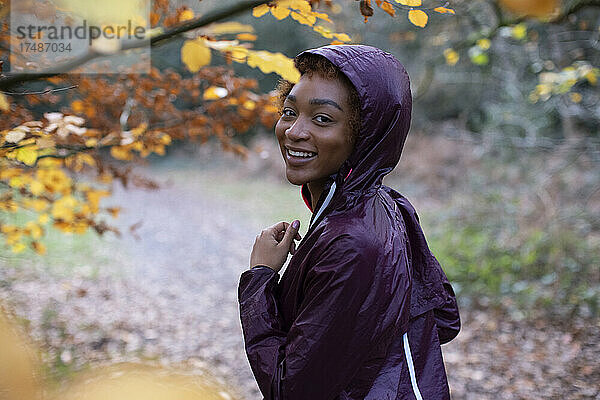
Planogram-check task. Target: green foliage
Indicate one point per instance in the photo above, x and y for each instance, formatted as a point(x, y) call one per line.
point(491, 258)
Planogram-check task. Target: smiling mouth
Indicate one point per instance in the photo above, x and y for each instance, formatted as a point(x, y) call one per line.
point(300, 154)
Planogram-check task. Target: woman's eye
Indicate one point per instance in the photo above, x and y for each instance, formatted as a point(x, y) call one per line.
point(288, 112)
point(322, 119)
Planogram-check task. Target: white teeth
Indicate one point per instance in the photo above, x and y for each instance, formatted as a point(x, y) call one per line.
point(300, 153)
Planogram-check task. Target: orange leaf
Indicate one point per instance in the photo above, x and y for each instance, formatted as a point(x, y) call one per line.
point(388, 8)
point(77, 106)
point(536, 8)
point(154, 19)
point(444, 10)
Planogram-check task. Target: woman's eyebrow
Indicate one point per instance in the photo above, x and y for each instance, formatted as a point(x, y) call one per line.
point(325, 101)
point(318, 102)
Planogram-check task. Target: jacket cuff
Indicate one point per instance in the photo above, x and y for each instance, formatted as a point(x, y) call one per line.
point(262, 267)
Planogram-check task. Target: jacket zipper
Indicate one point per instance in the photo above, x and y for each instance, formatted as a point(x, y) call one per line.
point(278, 377)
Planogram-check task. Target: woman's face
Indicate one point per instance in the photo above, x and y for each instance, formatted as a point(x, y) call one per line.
point(313, 130)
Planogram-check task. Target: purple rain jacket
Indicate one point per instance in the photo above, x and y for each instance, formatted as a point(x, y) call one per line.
point(363, 305)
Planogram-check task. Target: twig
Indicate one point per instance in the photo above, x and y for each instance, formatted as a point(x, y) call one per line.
point(40, 92)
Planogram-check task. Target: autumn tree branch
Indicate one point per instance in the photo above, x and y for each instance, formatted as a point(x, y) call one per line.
point(429, 75)
point(215, 16)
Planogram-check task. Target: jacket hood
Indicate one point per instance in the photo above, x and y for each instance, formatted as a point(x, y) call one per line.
point(383, 87)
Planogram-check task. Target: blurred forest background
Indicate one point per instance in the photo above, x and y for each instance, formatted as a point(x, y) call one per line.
point(502, 165)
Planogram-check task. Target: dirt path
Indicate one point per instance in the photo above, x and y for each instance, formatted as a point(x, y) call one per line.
point(178, 301)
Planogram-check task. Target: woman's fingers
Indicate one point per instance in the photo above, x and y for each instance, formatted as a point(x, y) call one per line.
point(273, 245)
point(279, 230)
point(290, 234)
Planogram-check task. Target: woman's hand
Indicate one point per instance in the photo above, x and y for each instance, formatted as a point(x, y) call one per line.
point(272, 245)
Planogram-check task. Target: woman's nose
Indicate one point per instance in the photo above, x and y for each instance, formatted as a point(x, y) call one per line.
point(297, 131)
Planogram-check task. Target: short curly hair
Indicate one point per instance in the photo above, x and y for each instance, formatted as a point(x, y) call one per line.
point(309, 64)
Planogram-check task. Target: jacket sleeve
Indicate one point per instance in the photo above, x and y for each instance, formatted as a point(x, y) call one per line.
point(352, 303)
point(447, 317)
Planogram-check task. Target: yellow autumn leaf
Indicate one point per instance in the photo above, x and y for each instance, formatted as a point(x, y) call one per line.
point(444, 10)
point(13, 237)
point(238, 53)
point(18, 247)
point(186, 15)
point(325, 32)
point(195, 54)
point(36, 187)
point(55, 180)
point(36, 204)
point(418, 18)
point(592, 76)
point(138, 130)
point(259, 11)
point(33, 229)
point(27, 154)
point(342, 37)
point(86, 159)
point(300, 5)
point(214, 93)
point(305, 19)
point(324, 16)
point(63, 226)
point(9, 205)
point(165, 139)
point(38, 247)
point(484, 43)
point(63, 208)
point(93, 198)
point(10, 172)
point(4, 104)
point(50, 162)
point(121, 153)
point(246, 36)
point(274, 62)
point(229, 27)
point(17, 182)
point(43, 218)
point(249, 105)
point(519, 31)
point(8, 228)
point(280, 11)
point(451, 56)
point(410, 3)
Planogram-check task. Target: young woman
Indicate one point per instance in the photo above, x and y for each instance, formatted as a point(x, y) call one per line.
point(363, 305)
